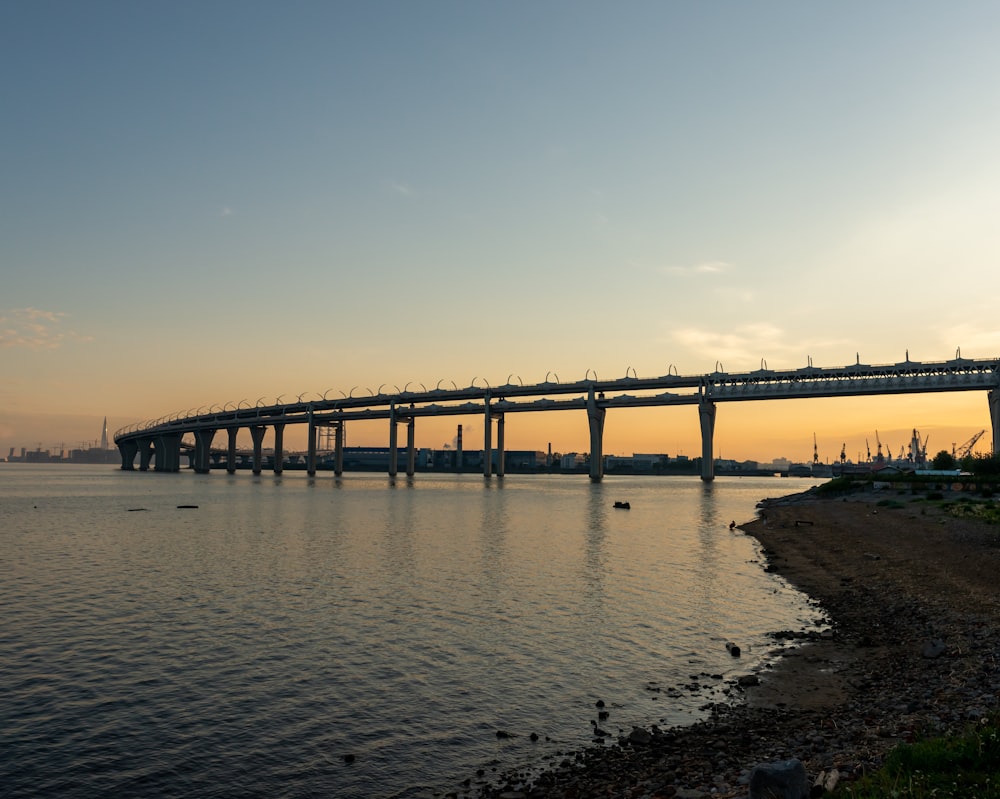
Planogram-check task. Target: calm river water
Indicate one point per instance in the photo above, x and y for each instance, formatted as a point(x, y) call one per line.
point(244, 647)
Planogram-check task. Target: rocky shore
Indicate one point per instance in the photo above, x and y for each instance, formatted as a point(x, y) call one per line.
point(911, 590)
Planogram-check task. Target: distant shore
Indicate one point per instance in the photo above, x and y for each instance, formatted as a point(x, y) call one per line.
point(914, 649)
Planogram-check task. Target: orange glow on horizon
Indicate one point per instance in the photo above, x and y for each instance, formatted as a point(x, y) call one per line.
point(757, 430)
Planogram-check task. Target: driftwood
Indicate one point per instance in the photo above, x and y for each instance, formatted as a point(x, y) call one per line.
point(826, 782)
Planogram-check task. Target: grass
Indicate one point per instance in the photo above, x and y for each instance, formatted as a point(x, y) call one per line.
point(968, 508)
point(966, 765)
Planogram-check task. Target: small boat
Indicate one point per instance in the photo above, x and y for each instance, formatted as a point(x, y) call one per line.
point(623, 505)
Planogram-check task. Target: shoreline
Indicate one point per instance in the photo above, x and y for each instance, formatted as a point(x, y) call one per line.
point(913, 649)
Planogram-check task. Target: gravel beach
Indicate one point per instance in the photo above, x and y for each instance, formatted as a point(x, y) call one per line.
point(911, 591)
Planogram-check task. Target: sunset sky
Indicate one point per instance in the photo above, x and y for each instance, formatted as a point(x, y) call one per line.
point(208, 202)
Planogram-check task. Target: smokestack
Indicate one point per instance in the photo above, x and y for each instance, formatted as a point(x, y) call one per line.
point(458, 446)
point(104, 434)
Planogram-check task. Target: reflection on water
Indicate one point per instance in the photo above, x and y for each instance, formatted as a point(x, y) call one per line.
point(492, 535)
point(710, 588)
point(595, 561)
point(709, 511)
point(243, 648)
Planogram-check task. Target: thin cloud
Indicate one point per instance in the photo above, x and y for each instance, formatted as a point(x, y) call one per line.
point(742, 347)
point(402, 189)
point(703, 268)
point(979, 342)
point(33, 329)
point(226, 211)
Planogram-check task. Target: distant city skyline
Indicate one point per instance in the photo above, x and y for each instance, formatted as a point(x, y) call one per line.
point(212, 203)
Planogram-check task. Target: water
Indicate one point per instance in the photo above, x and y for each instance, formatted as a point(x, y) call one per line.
point(244, 647)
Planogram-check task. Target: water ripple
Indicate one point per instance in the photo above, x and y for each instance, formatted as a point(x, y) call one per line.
point(244, 649)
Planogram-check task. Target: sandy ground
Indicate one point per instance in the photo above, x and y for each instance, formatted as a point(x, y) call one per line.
point(897, 547)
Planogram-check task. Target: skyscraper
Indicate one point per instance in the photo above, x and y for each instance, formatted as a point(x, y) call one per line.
point(104, 434)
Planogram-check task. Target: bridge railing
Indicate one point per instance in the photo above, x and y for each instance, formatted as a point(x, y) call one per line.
point(670, 389)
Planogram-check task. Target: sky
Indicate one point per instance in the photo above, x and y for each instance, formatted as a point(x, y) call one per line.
point(209, 202)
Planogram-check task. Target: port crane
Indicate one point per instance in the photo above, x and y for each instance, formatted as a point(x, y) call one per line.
point(918, 447)
point(965, 449)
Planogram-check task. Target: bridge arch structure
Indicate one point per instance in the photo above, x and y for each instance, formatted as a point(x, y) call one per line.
point(159, 442)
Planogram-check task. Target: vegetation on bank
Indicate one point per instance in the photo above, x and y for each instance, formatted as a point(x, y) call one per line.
point(956, 766)
point(979, 498)
point(979, 475)
point(943, 768)
point(977, 465)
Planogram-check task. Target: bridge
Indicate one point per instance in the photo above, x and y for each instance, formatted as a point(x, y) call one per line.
point(159, 443)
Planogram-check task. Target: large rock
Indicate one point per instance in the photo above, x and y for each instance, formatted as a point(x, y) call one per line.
point(785, 779)
point(640, 737)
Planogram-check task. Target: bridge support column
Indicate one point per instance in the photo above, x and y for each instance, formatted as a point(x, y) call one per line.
point(500, 458)
point(168, 453)
point(231, 451)
point(487, 440)
point(994, 399)
point(279, 447)
point(411, 452)
point(393, 442)
point(595, 417)
point(145, 453)
point(338, 449)
point(311, 435)
point(203, 451)
point(128, 450)
point(706, 413)
point(257, 434)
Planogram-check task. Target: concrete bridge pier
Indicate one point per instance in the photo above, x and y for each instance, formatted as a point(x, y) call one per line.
point(203, 451)
point(311, 435)
point(500, 458)
point(393, 441)
point(145, 446)
point(487, 440)
point(168, 452)
point(257, 434)
point(338, 449)
point(128, 450)
point(411, 452)
point(993, 395)
point(706, 413)
point(595, 418)
point(231, 451)
point(279, 447)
